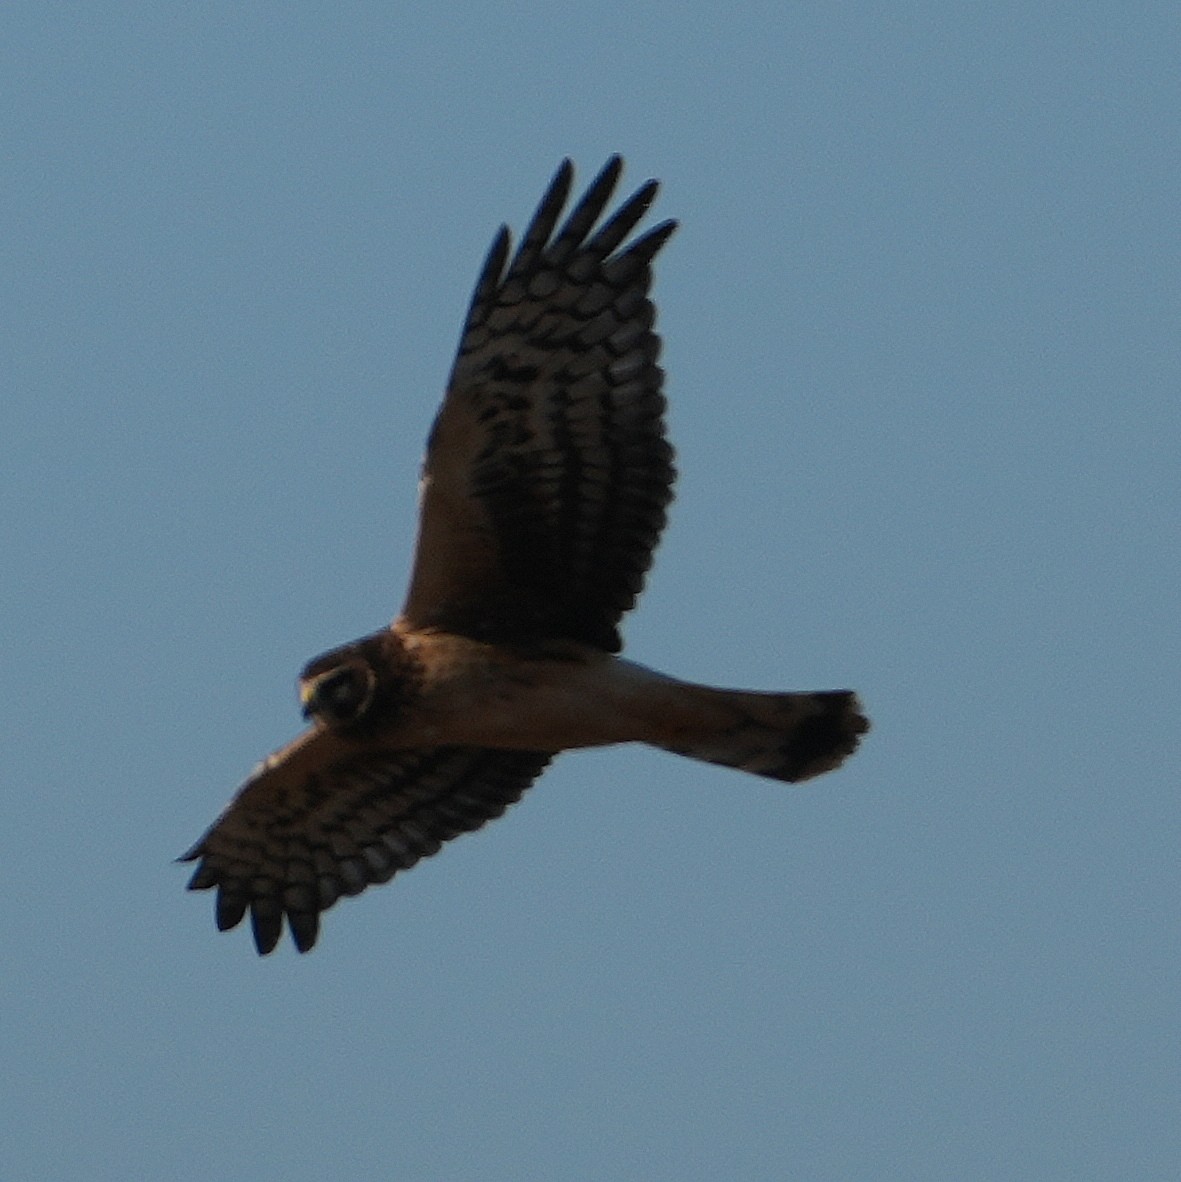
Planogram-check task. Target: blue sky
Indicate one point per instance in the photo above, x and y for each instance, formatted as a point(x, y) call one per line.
point(921, 331)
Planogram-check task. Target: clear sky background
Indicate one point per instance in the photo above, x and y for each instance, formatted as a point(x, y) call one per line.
point(922, 335)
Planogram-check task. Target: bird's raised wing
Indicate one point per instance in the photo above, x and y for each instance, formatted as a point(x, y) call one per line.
point(323, 818)
point(547, 472)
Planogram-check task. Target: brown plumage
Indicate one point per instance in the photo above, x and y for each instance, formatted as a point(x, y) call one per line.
point(544, 492)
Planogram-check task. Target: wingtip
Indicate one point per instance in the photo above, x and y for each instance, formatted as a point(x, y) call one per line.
point(266, 923)
point(612, 168)
point(664, 231)
point(191, 854)
point(562, 179)
point(305, 928)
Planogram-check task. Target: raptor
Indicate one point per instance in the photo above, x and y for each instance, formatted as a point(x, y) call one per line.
point(544, 492)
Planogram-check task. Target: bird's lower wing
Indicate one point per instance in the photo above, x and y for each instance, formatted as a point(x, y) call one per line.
point(323, 818)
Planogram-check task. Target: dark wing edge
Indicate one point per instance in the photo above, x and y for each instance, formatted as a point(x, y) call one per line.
point(290, 850)
point(548, 473)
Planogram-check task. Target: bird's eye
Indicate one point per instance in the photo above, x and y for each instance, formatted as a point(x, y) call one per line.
point(339, 697)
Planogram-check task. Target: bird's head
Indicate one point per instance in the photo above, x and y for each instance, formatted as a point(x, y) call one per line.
point(338, 688)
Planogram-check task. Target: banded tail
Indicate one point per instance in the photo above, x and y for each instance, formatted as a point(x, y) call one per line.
point(788, 737)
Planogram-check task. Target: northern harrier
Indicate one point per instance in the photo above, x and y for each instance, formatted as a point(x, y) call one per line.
point(544, 491)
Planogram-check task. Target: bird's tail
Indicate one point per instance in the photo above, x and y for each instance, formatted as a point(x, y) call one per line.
point(785, 736)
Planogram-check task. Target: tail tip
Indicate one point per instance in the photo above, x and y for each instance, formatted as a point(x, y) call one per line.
point(827, 738)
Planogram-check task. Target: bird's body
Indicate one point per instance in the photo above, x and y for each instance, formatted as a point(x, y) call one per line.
point(486, 695)
point(533, 697)
point(544, 493)
point(553, 696)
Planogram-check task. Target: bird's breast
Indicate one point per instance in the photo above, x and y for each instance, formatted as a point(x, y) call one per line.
point(476, 694)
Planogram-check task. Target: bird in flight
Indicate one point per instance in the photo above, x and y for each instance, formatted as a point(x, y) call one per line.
point(544, 491)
